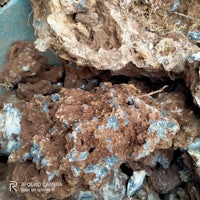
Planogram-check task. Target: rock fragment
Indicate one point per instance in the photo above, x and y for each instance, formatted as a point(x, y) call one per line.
point(30, 72)
point(10, 124)
point(23, 60)
point(27, 90)
point(163, 181)
point(117, 35)
point(78, 137)
point(135, 182)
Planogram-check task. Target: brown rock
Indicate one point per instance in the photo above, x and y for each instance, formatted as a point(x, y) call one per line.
point(174, 104)
point(23, 60)
point(4, 188)
point(27, 91)
point(80, 77)
point(77, 138)
point(161, 156)
point(164, 180)
point(29, 71)
point(192, 77)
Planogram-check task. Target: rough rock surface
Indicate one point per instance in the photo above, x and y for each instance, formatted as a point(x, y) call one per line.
point(10, 123)
point(110, 141)
point(163, 181)
point(114, 188)
point(4, 188)
point(117, 35)
point(133, 38)
point(192, 77)
point(23, 60)
point(30, 72)
point(78, 137)
point(175, 104)
point(83, 77)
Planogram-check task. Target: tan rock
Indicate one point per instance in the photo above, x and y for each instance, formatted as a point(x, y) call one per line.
point(122, 36)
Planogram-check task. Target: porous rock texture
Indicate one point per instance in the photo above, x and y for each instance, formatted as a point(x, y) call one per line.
point(132, 38)
point(115, 35)
point(104, 141)
point(81, 136)
point(78, 137)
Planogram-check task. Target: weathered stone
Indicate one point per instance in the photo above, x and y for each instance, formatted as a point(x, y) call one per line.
point(135, 182)
point(163, 180)
point(78, 138)
point(192, 77)
point(27, 90)
point(161, 156)
point(174, 103)
point(80, 77)
point(114, 188)
point(27, 70)
point(23, 61)
point(10, 123)
point(122, 36)
point(194, 151)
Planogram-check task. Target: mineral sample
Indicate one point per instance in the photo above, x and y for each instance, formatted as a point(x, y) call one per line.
point(30, 72)
point(4, 188)
point(80, 77)
point(10, 123)
point(23, 60)
point(146, 192)
point(133, 38)
point(194, 151)
point(77, 138)
point(114, 188)
point(122, 36)
point(27, 90)
point(175, 104)
point(135, 182)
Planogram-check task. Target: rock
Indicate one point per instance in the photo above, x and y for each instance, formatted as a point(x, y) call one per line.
point(77, 138)
point(161, 156)
point(10, 124)
point(191, 191)
point(26, 91)
point(192, 77)
point(115, 188)
point(163, 180)
point(127, 37)
point(194, 151)
point(18, 23)
point(135, 182)
point(30, 72)
point(80, 77)
point(23, 61)
point(4, 187)
point(175, 105)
